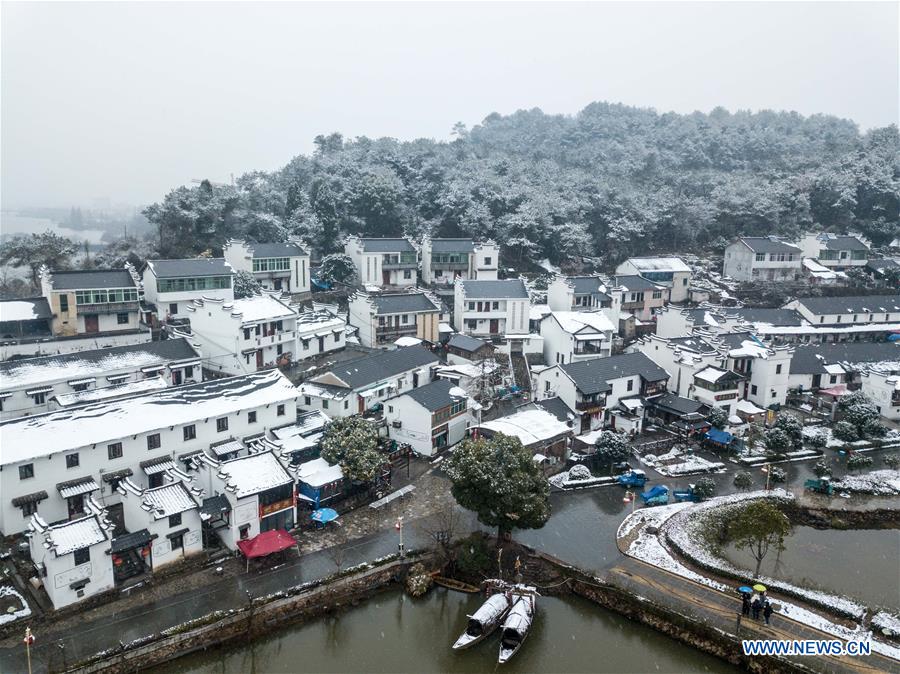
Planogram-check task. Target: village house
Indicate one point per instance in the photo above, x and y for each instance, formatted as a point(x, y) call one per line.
point(383, 318)
point(672, 272)
point(430, 418)
point(37, 385)
point(383, 262)
point(357, 385)
point(170, 286)
point(539, 431)
point(836, 252)
point(762, 258)
point(244, 335)
point(590, 387)
point(815, 366)
point(445, 260)
point(571, 336)
point(277, 266)
point(491, 308)
point(260, 494)
point(462, 349)
point(52, 462)
point(72, 558)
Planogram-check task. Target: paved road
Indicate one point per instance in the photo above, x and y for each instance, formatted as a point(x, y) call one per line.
point(720, 610)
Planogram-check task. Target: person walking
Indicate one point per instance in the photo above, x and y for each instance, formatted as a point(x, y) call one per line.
point(756, 606)
point(768, 611)
point(745, 604)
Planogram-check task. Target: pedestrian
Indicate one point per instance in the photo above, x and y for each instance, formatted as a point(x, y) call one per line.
point(767, 611)
point(756, 606)
point(745, 603)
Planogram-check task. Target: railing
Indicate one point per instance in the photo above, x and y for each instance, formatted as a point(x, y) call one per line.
point(107, 308)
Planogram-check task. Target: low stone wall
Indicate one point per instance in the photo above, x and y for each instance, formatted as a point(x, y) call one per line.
point(256, 619)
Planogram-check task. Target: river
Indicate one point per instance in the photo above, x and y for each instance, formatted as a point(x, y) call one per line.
point(394, 633)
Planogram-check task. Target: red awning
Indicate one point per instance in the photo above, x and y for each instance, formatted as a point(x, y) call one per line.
point(266, 543)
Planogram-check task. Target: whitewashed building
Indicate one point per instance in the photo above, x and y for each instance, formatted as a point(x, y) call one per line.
point(570, 336)
point(445, 260)
point(37, 385)
point(72, 558)
point(381, 319)
point(277, 266)
point(383, 262)
point(430, 418)
point(672, 272)
point(491, 308)
point(51, 462)
point(354, 386)
point(172, 285)
point(244, 335)
point(762, 258)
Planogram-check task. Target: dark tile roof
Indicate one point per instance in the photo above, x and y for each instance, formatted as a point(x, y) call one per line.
point(765, 315)
point(636, 283)
point(466, 343)
point(403, 303)
point(386, 246)
point(812, 359)
point(434, 396)
point(557, 407)
point(765, 244)
point(676, 404)
point(452, 245)
point(198, 266)
point(592, 376)
point(94, 278)
point(508, 289)
point(852, 305)
point(381, 365)
point(40, 309)
point(844, 243)
point(261, 250)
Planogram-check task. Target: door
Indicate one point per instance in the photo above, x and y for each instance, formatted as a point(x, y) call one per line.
point(259, 359)
point(91, 323)
point(495, 326)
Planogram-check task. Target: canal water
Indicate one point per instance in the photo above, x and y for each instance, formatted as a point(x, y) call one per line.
point(860, 563)
point(394, 633)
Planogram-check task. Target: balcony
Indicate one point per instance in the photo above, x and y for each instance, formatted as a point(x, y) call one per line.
point(108, 308)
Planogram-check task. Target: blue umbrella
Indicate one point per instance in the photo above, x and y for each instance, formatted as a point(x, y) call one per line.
point(324, 515)
point(745, 590)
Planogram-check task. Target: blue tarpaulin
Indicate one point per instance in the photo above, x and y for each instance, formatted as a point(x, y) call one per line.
point(719, 436)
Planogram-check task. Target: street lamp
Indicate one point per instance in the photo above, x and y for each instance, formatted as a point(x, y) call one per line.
point(399, 528)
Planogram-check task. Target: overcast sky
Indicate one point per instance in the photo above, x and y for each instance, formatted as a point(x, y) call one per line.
point(125, 101)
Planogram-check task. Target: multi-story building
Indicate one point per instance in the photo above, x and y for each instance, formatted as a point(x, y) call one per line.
point(491, 308)
point(277, 266)
point(354, 386)
point(245, 335)
point(834, 251)
point(570, 336)
point(38, 385)
point(590, 387)
point(383, 318)
point(672, 272)
point(171, 285)
point(762, 258)
point(445, 260)
point(51, 462)
point(383, 262)
point(430, 418)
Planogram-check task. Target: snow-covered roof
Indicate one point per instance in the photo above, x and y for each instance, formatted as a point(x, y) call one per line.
point(67, 537)
point(108, 392)
point(529, 426)
point(663, 264)
point(583, 321)
point(319, 472)
point(254, 473)
point(41, 435)
point(170, 499)
point(257, 308)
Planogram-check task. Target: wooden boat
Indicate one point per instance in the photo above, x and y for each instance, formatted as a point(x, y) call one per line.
point(518, 622)
point(453, 584)
point(484, 621)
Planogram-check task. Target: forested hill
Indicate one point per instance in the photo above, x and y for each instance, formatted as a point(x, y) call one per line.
point(610, 181)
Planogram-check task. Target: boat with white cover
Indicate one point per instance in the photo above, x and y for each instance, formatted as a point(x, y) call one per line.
point(485, 620)
point(518, 622)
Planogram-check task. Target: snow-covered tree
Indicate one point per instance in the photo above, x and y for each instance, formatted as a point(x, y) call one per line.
point(245, 284)
point(717, 417)
point(499, 481)
point(353, 443)
point(611, 447)
point(337, 268)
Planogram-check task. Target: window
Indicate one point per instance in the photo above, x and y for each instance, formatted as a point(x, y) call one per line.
point(153, 441)
point(72, 460)
point(175, 520)
point(82, 556)
point(778, 369)
point(280, 410)
point(753, 389)
point(63, 303)
point(324, 405)
point(114, 451)
point(29, 508)
point(190, 432)
point(630, 385)
point(173, 308)
point(26, 471)
point(122, 319)
point(251, 417)
point(39, 398)
point(307, 401)
point(222, 424)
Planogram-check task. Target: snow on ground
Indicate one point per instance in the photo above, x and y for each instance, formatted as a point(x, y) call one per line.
point(24, 612)
point(878, 482)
